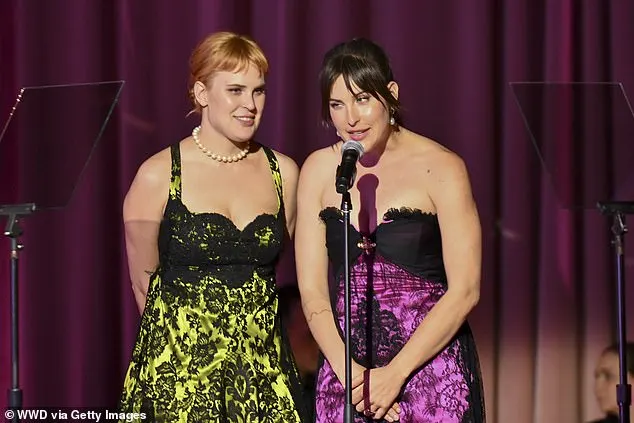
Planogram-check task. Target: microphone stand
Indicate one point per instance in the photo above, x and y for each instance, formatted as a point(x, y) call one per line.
point(13, 231)
point(618, 210)
point(346, 207)
point(351, 151)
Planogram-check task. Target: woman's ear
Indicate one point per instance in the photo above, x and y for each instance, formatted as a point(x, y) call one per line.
point(393, 87)
point(200, 93)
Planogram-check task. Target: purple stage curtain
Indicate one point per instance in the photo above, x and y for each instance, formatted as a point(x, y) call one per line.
point(548, 293)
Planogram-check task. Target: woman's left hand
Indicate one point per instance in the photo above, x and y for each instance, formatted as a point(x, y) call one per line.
point(385, 385)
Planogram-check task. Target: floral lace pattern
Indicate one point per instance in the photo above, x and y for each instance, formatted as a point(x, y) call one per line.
point(388, 304)
point(210, 347)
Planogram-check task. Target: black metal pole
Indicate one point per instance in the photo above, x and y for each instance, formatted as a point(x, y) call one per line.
point(346, 207)
point(618, 210)
point(14, 394)
point(13, 231)
point(623, 390)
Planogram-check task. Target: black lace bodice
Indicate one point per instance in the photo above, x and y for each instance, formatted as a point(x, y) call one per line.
point(211, 241)
point(407, 237)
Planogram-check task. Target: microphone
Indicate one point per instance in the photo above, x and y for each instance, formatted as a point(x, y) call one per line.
point(351, 152)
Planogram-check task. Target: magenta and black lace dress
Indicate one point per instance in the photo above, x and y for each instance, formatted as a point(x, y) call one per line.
point(397, 275)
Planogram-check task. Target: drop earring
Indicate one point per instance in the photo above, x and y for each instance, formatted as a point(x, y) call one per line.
point(392, 121)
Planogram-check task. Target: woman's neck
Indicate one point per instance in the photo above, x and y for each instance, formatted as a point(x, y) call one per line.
point(372, 157)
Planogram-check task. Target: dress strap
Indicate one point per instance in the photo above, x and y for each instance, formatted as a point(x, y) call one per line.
point(175, 182)
point(277, 176)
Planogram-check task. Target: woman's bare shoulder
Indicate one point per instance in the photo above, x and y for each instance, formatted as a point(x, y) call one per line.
point(288, 165)
point(431, 155)
point(154, 169)
point(148, 192)
point(319, 161)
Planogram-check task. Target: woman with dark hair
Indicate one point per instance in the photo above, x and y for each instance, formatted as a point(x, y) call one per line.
point(415, 256)
point(606, 378)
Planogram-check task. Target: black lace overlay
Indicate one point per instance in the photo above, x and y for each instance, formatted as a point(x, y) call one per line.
point(210, 347)
point(397, 276)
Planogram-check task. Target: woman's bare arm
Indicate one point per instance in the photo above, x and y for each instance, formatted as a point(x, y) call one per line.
point(142, 214)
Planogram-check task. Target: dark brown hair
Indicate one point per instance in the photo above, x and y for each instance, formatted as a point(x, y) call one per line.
point(363, 63)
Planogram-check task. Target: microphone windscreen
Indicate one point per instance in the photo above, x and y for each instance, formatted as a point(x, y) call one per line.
point(353, 145)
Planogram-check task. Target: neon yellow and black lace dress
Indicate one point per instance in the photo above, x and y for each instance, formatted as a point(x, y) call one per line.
point(210, 346)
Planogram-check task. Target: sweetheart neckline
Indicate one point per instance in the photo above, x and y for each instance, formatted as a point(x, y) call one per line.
point(401, 210)
point(227, 219)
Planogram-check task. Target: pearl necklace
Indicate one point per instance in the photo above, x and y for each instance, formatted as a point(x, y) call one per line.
point(235, 158)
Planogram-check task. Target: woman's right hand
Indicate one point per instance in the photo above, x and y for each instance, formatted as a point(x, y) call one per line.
point(383, 387)
point(392, 414)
